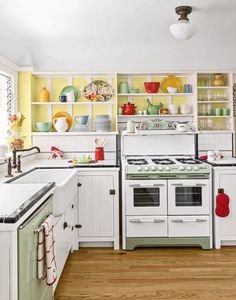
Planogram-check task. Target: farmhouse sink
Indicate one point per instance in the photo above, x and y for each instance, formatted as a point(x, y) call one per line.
point(66, 188)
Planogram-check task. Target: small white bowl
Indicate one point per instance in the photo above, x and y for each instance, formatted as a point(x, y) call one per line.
point(172, 89)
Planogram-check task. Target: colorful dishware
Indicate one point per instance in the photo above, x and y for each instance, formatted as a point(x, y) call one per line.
point(171, 81)
point(66, 115)
point(152, 87)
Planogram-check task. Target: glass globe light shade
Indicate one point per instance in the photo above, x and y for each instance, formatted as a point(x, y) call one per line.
point(183, 30)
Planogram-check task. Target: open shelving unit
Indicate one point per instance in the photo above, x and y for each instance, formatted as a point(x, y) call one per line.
point(55, 82)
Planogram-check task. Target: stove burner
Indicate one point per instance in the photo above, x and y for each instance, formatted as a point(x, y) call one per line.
point(163, 161)
point(137, 161)
point(189, 161)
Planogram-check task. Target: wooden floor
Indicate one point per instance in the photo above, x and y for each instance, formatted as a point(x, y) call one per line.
point(154, 273)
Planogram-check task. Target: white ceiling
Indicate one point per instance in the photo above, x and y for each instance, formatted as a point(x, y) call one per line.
point(101, 35)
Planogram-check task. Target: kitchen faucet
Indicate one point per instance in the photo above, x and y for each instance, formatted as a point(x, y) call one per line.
point(14, 152)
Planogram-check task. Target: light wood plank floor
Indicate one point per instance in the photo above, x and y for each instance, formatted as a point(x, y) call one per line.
point(151, 273)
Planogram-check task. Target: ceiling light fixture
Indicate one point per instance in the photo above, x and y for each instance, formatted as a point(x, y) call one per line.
point(183, 30)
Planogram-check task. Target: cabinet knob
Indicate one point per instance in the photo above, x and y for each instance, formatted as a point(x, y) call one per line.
point(65, 225)
point(112, 192)
point(72, 206)
point(78, 226)
point(79, 184)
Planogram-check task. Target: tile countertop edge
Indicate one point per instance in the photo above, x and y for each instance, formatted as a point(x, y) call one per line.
point(27, 205)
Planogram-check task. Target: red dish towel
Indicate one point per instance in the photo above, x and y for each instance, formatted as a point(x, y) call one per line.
point(46, 253)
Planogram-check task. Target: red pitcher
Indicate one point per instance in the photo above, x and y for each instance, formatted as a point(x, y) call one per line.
point(128, 109)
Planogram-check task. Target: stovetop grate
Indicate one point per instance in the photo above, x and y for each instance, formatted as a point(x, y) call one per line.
point(138, 161)
point(189, 161)
point(163, 161)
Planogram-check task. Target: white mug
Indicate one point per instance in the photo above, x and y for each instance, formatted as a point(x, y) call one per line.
point(173, 109)
point(70, 96)
point(211, 155)
point(184, 109)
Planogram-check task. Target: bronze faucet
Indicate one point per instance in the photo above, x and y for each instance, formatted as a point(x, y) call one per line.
point(14, 152)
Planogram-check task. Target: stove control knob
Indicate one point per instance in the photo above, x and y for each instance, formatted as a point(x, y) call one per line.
point(154, 168)
point(182, 168)
point(139, 168)
point(196, 168)
point(189, 168)
point(146, 168)
point(167, 168)
point(160, 168)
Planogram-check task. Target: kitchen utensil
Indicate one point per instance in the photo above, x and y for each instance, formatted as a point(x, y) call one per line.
point(172, 90)
point(44, 95)
point(64, 114)
point(173, 109)
point(184, 109)
point(153, 109)
point(42, 126)
point(182, 126)
point(66, 91)
point(124, 88)
point(98, 90)
point(99, 153)
point(99, 142)
point(60, 124)
point(218, 79)
point(129, 109)
point(171, 81)
point(63, 98)
point(130, 126)
point(152, 87)
point(81, 120)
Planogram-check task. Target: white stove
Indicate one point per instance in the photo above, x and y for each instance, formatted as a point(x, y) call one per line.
point(166, 197)
point(165, 167)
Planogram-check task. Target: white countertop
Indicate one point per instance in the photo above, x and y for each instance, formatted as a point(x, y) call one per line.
point(12, 196)
point(224, 161)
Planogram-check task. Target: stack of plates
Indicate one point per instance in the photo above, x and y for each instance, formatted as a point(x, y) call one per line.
point(102, 123)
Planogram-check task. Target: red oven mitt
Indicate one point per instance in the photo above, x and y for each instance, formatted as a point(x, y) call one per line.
point(222, 204)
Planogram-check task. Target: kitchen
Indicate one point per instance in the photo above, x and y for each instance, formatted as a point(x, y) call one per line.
point(117, 175)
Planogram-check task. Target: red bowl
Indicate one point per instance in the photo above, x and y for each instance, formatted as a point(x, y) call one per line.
point(152, 87)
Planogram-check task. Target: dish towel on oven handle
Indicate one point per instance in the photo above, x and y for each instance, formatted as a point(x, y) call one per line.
point(222, 204)
point(46, 252)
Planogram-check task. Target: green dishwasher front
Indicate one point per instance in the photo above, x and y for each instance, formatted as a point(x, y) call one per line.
point(29, 286)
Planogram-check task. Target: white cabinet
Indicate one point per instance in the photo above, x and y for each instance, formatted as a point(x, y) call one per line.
point(225, 228)
point(98, 207)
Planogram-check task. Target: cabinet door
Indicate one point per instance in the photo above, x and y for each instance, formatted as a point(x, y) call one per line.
point(228, 224)
point(96, 206)
point(70, 222)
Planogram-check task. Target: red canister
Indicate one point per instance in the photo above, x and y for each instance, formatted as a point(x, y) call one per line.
point(99, 153)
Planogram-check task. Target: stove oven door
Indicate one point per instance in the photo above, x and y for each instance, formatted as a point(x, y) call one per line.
point(188, 197)
point(146, 197)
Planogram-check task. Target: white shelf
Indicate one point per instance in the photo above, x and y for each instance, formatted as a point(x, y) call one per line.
point(157, 116)
point(69, 133)
point(215, 131)
point(214, 101)
point(155, 94)
point(73, 103)
point(213, 87)
point(213, 117)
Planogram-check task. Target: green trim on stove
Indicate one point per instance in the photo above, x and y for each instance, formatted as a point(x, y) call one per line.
point(133, 242)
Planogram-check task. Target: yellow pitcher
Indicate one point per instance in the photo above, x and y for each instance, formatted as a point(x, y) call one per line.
point(44, 95)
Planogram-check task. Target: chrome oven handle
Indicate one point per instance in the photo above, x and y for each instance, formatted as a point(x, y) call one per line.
point(189, 221)
point(146, 185)
point(189, 185)
point(146, 221)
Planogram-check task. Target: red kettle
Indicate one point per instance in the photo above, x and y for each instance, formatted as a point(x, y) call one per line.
point(129, 109)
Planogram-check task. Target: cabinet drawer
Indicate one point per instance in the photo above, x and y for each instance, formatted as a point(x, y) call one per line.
point(146, 226)
point(188, 226)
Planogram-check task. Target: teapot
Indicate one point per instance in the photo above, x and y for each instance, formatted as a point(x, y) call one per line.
point(129, 109)
point(60, 124)
point(182, 126)
point(153, 109)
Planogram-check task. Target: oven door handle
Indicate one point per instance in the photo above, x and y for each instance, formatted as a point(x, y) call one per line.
point(189, 185)
point(146, 221)
point(189, 221)
point(146, 185)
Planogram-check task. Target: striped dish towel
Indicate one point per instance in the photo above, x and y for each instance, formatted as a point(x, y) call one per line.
point(46, 252)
